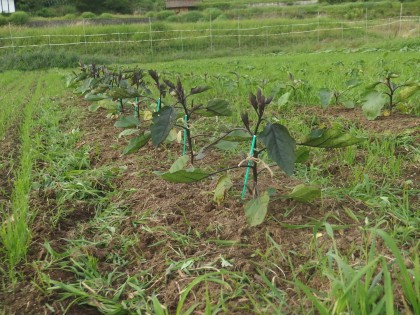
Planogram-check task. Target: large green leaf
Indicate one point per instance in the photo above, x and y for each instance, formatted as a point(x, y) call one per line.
point(127, 122)
point(216, 107)
point(280, 146)
point(179, 164)
point(331, 138)
point(284, 99)
point(137, 143)
point(325, 97)
point(373, 104)
point(183, 176)
point(238, 135)
point(305, 193)
point(408, 91)
point(256, 209)
point(118, 92)
point(163, 121)
point(223, 185)
point(95, 97)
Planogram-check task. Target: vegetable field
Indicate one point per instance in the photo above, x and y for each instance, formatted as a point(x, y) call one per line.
point(271, 184)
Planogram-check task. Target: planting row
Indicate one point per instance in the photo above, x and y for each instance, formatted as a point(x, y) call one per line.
point(156, 109)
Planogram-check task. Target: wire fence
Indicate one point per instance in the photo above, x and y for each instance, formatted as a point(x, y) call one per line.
point(145, 39)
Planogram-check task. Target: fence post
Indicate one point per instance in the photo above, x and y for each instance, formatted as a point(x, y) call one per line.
point(182, 42)
point(399, 27)
point(119, 42)
point(211, 36)
point(11, 38)
point(239, 35)
point(150, 36)
point(49, 41)
point(84, 36)
point(366, 24)
point(318, 27)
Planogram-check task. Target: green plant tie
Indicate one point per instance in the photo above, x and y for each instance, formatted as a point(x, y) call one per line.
point(251, 153)
point(158, 105)
point(184, 148)
point(119, 106)
point(136, 107)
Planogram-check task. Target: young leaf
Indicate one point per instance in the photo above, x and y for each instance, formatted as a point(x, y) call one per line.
point(183, 176)
point(216, 107)
point(137, 143)
point(305, 193)
point(127, 122)
point(302, 155)
point(179, 164)
point(280, 146)
point(163, 121)
point(199, 89)
point(284, 99)
point(373, 104)
point(223, 185)
point(256, 209)
point(331, 138)
point(325, 97)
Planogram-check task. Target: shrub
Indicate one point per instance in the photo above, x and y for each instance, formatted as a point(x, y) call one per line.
point(3, 20)
point(106, 16)
point(88, 15)
point(19, 18)
point(45, 12)
point(212, 13)
point(163, 15)
point(70, 16)
point(191, 17)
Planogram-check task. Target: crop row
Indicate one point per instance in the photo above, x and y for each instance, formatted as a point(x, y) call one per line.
point(173, 110)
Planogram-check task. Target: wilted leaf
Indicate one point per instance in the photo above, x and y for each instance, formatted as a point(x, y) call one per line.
point(127, 132)
point(184, 176)
point(408, 91)
point(280, 146)
point(223, 185)
point(256, 209)
point(325, 97)
point(305, 193)
point(127, 122)
point(137, 143)
point(163, 121)
point(331, 138)
point(147, 115)
point(179, 164)
point(373, 104)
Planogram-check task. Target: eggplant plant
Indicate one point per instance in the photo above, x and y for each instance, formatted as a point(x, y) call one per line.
point(385, 95)
point(339, 96)
point(280, 146)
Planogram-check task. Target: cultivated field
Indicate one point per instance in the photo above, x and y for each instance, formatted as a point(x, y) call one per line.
point(92, 224)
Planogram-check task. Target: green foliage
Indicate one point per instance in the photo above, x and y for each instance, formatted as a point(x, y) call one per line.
point(3, 20)
point(19, 18)
point(87, 15)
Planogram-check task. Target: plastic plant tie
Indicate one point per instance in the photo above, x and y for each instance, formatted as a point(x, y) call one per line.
point(184, 147)
point(251, 153)
point(136, 107)
point(158, 105)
